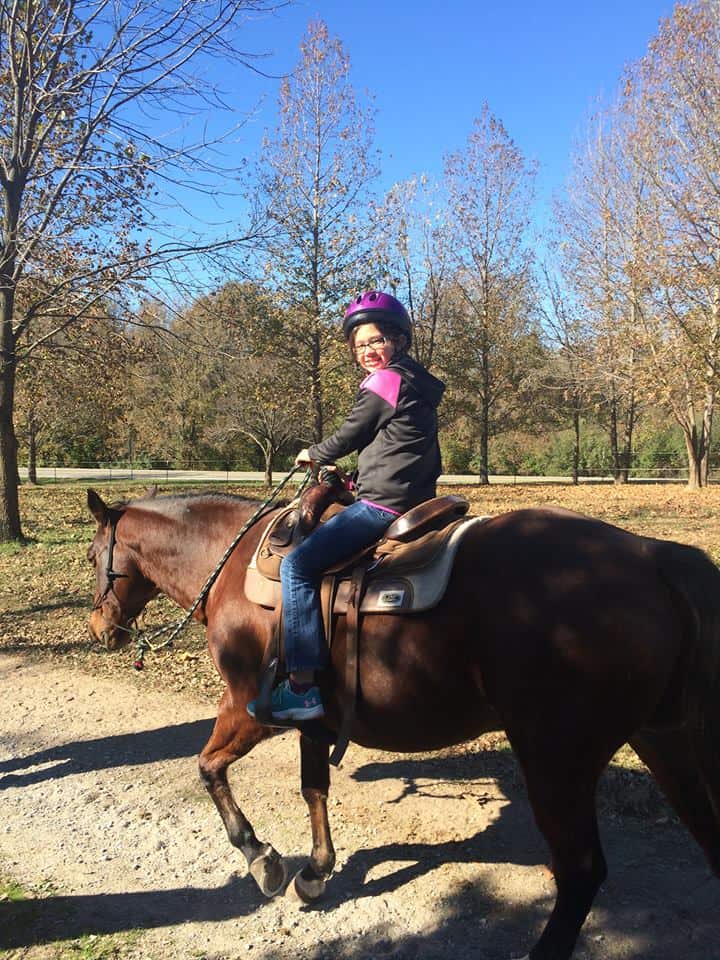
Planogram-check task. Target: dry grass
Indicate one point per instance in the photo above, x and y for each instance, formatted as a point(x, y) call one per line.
point(668, 511)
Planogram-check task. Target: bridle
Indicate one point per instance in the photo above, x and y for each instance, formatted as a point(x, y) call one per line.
point(110, 575)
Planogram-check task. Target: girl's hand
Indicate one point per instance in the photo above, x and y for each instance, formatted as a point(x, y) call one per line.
point(303, 459)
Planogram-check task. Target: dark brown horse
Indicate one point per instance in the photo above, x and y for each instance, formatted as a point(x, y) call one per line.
point(571, 635)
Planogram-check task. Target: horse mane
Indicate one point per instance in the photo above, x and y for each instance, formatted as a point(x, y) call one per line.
point(166, 501)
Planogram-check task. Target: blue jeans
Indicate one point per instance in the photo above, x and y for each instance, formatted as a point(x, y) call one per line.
point(355, 527)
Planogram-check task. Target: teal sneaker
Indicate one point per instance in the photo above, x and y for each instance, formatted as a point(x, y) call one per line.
point(288, 705)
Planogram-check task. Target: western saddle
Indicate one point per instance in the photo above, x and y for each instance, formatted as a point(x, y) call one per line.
point(406, 571)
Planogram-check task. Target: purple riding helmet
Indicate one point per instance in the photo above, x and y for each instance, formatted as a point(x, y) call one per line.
point(374, 307)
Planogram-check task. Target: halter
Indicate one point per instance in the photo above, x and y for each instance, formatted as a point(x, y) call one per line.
point(144, 642)
point(110, 575)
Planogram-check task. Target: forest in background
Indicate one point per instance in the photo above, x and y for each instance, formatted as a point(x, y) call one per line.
point(591, 349)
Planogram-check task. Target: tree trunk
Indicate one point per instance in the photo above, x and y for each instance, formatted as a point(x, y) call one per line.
point(268, 466)
point(316, 398)
point(622, 475)
point(484, 438)
point(707, 434)
point(576, 446)
point(10, 527)
point(484, 474)
point(628, 442)
point(485, 420)
point(624, 454)
point(695, 456)
point(32, 450)
point(614, 445)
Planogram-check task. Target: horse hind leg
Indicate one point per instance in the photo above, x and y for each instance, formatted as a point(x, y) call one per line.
point(691, 785)
point(234, 735)
point(564, 808)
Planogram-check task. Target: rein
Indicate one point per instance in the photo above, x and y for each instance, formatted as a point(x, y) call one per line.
point(145, 641)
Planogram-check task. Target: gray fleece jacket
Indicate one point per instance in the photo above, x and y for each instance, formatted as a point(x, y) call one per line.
point(393, 426)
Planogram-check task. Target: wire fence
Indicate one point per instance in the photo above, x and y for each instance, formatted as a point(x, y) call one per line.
point(197, 471)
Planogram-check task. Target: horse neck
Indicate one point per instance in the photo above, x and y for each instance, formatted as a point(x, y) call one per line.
point(178, 544)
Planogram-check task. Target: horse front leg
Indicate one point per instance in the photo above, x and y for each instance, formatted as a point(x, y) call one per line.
point(309, 883)
point(235, 734)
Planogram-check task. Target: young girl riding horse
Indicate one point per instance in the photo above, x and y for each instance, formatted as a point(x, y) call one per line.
point(393, 426)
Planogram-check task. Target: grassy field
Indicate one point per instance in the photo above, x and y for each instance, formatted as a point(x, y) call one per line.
point(46, 586)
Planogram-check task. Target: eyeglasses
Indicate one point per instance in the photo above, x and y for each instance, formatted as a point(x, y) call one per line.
point(377, 343)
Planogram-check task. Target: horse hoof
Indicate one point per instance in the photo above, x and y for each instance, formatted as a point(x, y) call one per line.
point(269, 872)
point(308, 888)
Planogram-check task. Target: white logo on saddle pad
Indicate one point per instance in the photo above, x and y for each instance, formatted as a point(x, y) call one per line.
point(391, 598)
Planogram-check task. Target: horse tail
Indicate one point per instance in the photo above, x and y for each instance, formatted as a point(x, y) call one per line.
point(693, 575)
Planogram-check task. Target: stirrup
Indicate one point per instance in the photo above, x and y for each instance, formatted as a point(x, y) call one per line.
point(314, 729)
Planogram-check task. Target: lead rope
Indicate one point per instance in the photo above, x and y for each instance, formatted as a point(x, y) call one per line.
point(145, 641)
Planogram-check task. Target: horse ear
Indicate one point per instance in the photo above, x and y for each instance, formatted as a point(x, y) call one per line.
point(150, 492)
point(98, 508)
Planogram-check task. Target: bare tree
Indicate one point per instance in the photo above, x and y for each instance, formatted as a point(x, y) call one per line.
point(413, 256)
point(673, 95)
point(565, 324)
point(313, 182)
point(601, 257)
point(87, 90)
point(490, 187)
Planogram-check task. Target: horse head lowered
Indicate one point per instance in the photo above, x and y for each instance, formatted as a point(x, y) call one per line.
point(121, 589)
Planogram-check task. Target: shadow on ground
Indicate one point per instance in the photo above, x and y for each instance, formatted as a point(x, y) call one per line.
point(661, 912)
point(53, 918)
point(659, 902)
point(149, 746)
point(659, 898)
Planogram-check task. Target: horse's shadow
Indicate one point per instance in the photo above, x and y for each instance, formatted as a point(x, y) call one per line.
point(62, 601)
point(120, 750)
point(505, 839)
point(66, 917)
point(468, 920)
point(512, 837)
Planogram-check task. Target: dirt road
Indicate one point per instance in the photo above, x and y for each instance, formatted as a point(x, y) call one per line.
point(105, 822)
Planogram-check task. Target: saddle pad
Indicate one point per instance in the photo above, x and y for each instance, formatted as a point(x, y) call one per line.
point(417, 589)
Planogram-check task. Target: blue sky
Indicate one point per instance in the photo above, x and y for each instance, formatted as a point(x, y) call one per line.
point(430, 65)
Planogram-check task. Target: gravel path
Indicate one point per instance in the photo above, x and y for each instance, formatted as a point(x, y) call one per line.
point(104, 820)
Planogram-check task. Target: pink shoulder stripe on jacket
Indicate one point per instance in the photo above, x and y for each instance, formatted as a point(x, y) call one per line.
point(385, 383)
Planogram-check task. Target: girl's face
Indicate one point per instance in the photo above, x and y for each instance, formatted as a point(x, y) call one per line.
point(372, 348)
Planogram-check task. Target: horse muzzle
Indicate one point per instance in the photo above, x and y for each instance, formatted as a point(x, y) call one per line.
point(111, 635)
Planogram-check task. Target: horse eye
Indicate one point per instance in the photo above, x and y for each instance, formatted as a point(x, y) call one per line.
point(91, 555)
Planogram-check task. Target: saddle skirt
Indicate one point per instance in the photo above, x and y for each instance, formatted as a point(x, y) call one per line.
point(401, 576)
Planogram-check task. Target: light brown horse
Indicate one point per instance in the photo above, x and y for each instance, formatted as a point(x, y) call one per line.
point(570, 634)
